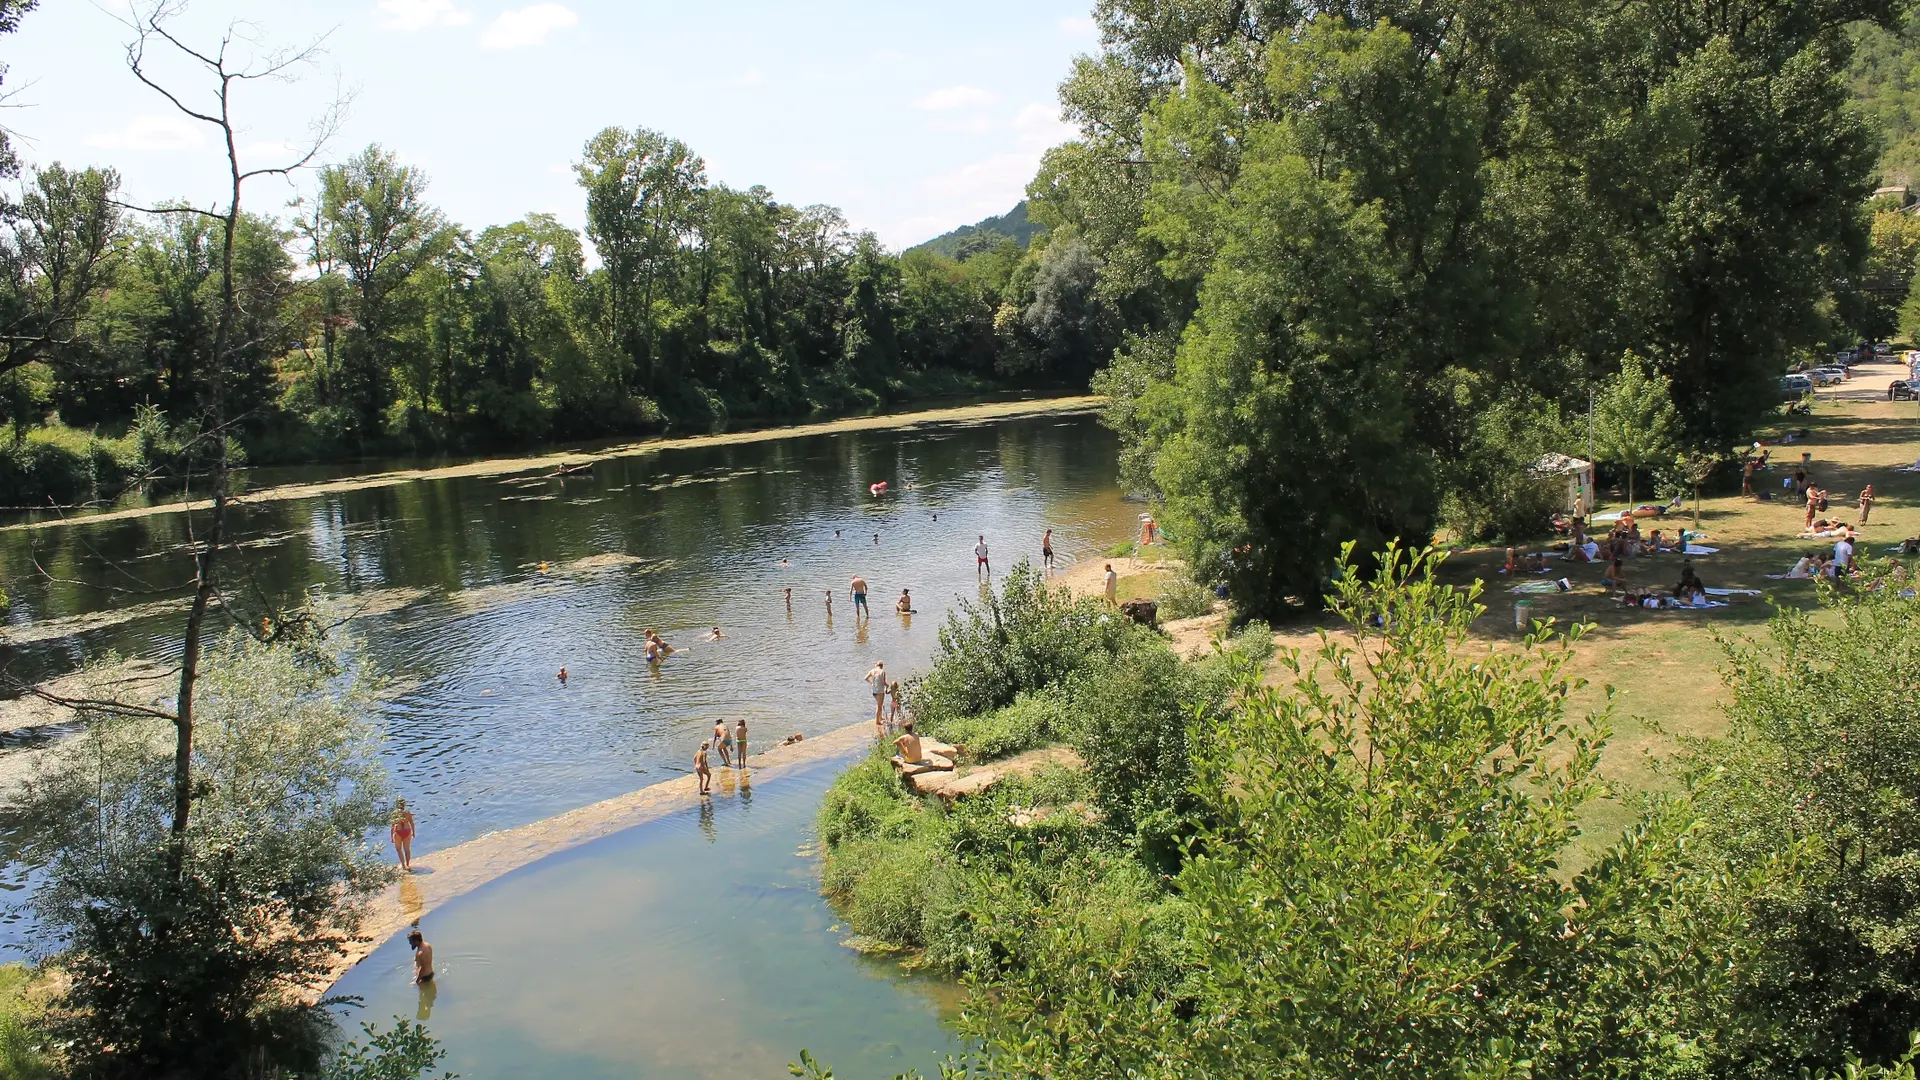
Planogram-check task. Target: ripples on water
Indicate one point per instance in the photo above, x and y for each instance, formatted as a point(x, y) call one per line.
point(484, 736)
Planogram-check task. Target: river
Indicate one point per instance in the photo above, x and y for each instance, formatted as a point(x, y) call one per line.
point(473, 592)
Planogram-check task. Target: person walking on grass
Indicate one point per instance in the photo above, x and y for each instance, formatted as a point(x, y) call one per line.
point(1866, 503)
point(400, 831)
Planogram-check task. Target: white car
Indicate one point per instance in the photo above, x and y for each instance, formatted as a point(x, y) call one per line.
point(1827, 376)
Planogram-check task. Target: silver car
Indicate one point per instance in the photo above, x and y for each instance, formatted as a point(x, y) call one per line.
point(1827, 376)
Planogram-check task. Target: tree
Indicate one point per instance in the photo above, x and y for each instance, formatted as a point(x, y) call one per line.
point(379, 227)
point(186, 949)
point(641, 189)
point(60, 244)
point(1810, 803)
point(1634, 421)
point(1893, 256)
point(1696, 467)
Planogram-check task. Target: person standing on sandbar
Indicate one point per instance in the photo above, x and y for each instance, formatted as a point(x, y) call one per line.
point(740, 744)
point(877, 685)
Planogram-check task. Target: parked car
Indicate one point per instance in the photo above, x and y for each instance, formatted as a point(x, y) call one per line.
point(1902, 390)
point(1883, 348)
point(1795, 387)
point(1827, 376)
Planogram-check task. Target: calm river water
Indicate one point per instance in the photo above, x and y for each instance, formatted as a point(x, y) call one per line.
point(653, 934)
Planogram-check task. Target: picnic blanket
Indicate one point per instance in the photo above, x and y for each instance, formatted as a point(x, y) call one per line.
point(1733, 592)
point(1536, 587)
point(1615, 516)
point(1696, 549)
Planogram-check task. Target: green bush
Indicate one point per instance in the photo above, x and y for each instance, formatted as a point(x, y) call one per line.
point(865, 801)
point(1024, 637)
point(1184, 598)
point(1031, 721)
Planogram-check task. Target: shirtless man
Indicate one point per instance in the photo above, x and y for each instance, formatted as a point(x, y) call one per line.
point(1046, 550)
point(980, 563)
point(715, 635)
point(422, 957)
point(723, 742)
point(908, 744)
point(876, 677)
point(858, 588)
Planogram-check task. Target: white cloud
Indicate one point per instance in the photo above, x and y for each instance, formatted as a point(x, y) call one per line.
point(992, 184)
point(1039, 126)
point(527, 26)
point(1078, 26)
point(750, 77)
point(420, 14)
point(956, 97)
point(162, 132)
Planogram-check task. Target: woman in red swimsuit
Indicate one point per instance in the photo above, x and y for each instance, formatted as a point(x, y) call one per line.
point(400, 829)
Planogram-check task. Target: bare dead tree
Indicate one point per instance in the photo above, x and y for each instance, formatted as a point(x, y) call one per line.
point(226, 72)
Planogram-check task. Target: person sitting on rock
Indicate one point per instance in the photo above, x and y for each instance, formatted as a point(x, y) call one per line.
point(909, 744)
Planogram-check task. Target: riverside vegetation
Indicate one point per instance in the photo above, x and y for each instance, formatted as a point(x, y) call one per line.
point(1357, 872)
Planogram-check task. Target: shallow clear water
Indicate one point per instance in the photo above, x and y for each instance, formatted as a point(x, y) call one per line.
point(483, 736)
point(692, 947)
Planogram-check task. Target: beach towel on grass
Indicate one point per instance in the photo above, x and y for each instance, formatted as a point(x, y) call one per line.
point(1696, 549)
point(1733, 592)
point(1536, 587)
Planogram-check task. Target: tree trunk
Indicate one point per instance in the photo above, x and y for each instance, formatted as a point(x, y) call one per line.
point(205, 581)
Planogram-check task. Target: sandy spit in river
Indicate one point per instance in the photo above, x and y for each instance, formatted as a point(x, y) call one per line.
point(1002, 410)
point(463, 868)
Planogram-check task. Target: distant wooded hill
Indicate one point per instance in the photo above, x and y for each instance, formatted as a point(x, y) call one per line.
point(1885, 76)
point(1013, 223)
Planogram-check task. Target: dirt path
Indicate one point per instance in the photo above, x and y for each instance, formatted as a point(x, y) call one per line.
point(1002, 410)
point(461, 869)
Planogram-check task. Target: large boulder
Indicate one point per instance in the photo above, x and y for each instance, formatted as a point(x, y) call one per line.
point(1144, 612)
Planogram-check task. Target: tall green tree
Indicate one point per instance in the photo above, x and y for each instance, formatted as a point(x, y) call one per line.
point(1635, 423)
point(642, 188)
point(381, 230)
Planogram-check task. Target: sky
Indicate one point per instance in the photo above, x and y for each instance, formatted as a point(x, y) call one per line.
point(911, 117)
